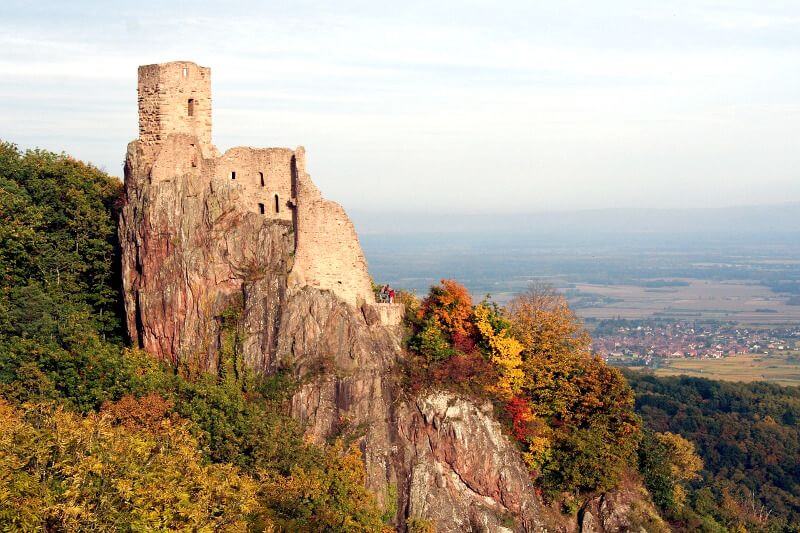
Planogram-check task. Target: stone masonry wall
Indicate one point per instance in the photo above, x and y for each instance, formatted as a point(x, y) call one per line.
point(328, 254)
point(265, 176)
point(165, 91)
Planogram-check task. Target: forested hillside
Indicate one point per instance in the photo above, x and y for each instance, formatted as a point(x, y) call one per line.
point(748, 435)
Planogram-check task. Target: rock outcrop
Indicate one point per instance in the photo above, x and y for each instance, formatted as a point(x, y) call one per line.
point(463, 473)
point(191, 254)
point(195, 250)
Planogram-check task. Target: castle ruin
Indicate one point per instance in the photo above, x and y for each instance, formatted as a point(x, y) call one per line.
point(175, 131)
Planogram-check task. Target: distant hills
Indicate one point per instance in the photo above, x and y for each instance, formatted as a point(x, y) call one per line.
point(778, 220)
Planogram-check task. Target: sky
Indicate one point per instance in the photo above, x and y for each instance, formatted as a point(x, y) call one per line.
point(453, 106)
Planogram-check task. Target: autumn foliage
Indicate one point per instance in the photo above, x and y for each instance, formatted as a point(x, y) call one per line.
point(571, 414)
point(448, 307)
point(71, 473)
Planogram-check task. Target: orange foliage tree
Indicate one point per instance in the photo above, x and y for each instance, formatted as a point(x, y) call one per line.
point(588, 404)
point(449, 307)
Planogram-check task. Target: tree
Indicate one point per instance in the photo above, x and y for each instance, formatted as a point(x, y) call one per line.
point(504, 350)
point(543, 322)
point(587, 404)
point(667, 461)
point(449, 306)
point(325, 495)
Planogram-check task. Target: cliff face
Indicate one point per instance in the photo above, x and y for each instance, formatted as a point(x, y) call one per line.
point(191, 251)
point(462, 472)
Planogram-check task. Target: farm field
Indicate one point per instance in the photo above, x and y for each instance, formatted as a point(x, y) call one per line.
point(783, 370)
point(729, 301)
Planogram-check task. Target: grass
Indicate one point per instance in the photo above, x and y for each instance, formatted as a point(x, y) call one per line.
point(780, 369)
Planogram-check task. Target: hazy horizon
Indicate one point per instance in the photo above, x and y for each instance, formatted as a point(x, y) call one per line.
point(446, 107)
point(780, 220)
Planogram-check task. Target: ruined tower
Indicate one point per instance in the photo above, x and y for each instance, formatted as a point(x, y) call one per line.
point(244, 191)
point(175, 98)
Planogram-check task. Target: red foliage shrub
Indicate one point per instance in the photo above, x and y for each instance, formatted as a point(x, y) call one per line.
point(522, 418)
point(466, 371)
point(464, 343)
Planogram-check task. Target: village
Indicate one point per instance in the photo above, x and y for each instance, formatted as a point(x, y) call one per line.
point(641, 341)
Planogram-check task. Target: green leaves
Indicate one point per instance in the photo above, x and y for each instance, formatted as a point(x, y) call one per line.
point(58, 233)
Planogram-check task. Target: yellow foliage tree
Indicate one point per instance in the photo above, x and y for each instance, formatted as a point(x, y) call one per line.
point(684, 463)
point(327, 496)
point(587, 404)
point(505, 351)
point(542, 320)
point(61, 471)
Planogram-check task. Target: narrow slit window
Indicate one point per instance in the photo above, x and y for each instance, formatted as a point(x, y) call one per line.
point(233, 174)
point(277, 204)
point(261, 176)
point(185, 72)
point(261, 209)
point(190, 107)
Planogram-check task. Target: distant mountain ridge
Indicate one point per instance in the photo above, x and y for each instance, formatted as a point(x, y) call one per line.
point(778, 219)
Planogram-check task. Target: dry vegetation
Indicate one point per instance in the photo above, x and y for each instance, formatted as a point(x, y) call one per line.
point(783, 370)
point(718, 300)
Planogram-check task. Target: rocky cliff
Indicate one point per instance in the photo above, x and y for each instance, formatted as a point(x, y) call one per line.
point(191, 252)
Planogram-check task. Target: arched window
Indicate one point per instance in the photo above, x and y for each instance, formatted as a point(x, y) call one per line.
point(261, 175)
point(277, 204)
point(261, 208)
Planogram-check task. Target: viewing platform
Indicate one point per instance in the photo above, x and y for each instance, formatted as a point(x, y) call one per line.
point(385, 314)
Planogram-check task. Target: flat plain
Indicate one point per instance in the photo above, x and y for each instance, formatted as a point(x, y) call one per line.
point(729, 301)
point(780, 369)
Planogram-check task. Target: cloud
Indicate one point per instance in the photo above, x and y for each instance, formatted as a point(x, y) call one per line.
point(535, 104)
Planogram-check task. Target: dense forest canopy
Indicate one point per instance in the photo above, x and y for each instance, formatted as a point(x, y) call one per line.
point(748, 435)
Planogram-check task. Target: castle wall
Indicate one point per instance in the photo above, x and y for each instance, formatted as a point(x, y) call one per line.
point(328, 254)
point(265, 176)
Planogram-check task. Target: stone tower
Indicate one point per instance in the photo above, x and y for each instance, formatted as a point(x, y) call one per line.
point(175, 98)
point(242, 193)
